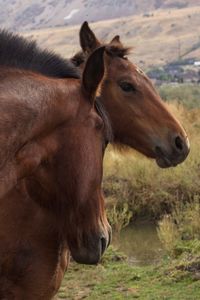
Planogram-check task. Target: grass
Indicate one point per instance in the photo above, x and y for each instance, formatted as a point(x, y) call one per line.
point(115, 279)
point(180, 231)
point(168, 233)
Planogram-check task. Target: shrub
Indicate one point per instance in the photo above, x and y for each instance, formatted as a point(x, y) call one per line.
point(180, 231)
point(168, 233)
point(119, 216)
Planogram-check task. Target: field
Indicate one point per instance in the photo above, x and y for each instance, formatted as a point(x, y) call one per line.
point(115, 279)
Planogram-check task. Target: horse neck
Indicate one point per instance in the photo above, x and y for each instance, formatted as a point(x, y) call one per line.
point(30, 104)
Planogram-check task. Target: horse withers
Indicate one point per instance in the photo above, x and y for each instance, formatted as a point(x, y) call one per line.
point(52, 138)
point(138, 116)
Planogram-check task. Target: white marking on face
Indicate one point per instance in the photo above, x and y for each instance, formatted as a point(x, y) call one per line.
point(140, 71)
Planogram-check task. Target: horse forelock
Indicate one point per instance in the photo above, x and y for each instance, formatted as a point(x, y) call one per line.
point(117, 50)
point(112, 50)
point(79, 58)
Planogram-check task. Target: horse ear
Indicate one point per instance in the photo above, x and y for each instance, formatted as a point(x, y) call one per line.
point(116, 41)
point(93, 72)
point(88, 40)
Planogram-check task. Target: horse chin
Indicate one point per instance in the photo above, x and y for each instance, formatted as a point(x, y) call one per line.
point(167, 160)
point(164, 162)
point(84, 257)
point(91, 253)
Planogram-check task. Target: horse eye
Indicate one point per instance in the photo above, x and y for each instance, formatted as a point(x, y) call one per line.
point(127, 87)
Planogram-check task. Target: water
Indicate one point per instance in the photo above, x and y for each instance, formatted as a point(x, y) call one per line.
point(140, 243)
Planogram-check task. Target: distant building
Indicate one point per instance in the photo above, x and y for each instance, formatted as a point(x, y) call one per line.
point(197, 63)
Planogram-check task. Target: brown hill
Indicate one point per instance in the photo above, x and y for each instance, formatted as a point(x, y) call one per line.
point(28, 14)
point(157, 39)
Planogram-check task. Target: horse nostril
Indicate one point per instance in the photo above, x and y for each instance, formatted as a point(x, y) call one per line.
point(179, 144)
point(103, 245)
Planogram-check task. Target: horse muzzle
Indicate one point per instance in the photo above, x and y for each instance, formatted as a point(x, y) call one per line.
point(174, 154)
point(92, 248)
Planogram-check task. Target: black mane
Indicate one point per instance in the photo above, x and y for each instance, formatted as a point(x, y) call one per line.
point(18, 52)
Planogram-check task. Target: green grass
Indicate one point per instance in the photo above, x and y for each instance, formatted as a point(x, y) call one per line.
point(186, 94)
point(115, 279)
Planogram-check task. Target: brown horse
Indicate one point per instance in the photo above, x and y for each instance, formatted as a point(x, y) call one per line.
point(52, 140)
point(138, 116)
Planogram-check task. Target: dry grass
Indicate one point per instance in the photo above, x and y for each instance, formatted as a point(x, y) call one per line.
point(180, 231)
point(168, 233)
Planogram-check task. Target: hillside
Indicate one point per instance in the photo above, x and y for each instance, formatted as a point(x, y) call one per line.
point(157, 39)
point(28, 14)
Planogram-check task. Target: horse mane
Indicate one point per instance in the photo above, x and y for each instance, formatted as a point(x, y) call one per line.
point(18, 52)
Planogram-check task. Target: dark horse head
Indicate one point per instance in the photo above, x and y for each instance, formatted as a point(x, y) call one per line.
point(55, 137)
point(138, 116)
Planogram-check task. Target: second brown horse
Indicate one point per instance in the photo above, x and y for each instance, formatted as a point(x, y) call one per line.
point(138, 116)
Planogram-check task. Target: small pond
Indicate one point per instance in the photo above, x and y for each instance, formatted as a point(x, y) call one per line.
point(140, 243)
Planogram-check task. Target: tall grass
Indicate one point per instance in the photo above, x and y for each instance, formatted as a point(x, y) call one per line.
point(168, 233)
point(180, 231)
point(118, 215)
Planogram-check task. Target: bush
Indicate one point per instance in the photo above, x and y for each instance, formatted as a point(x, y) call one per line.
point(119, 216)
point(168, 233)
point(180, 231)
